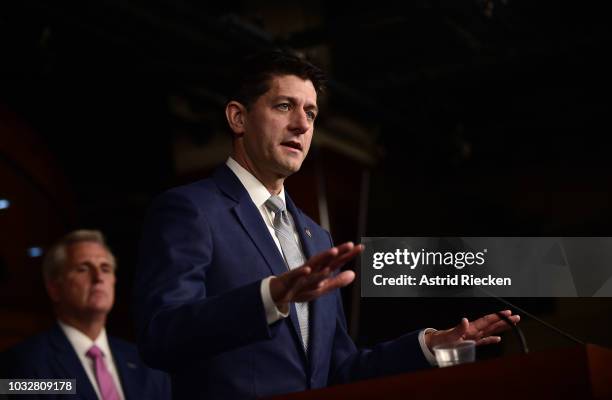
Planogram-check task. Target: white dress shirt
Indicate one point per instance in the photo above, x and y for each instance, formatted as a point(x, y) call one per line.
point(259, 195)
point(81, 343)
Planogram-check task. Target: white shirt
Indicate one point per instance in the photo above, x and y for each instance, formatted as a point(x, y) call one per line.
point(259, 195)
point(81, 343)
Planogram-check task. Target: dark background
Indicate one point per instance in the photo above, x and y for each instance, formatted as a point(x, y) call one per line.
point(442, 118)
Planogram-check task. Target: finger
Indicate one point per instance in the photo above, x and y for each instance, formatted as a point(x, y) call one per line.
point(484, 322)
point(324, 258)
point(474, 336)
point(340, 260)
point(346, 246)
point(488, 340)
point(458, 332)
point(502, 325)
point(334, 265)
point(338, 281)
point(294, 291)
point(326, 286)
point(335, 282)
point(452, 335)
point(292, 281)
point(290, 277)
point(343, 249)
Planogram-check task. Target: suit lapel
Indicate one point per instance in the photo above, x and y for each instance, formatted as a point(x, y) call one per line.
point(130, 374)
point(302, 227)
point(70, 364)
point(250, 218)
point(317, 313)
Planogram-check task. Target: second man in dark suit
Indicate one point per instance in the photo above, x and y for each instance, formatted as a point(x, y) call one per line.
point(79, 273)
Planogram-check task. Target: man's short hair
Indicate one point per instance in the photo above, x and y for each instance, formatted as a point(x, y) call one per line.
point(255, 72)
point(55, 258)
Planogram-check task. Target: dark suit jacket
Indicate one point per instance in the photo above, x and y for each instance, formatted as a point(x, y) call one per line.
point(50, 355)
point(199, 312)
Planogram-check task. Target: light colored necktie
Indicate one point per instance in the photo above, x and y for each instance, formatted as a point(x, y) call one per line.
point(283, 227)
point(107, 387)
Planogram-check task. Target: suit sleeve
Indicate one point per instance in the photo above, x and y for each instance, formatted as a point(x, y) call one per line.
point(176, 320)
point(348, 363)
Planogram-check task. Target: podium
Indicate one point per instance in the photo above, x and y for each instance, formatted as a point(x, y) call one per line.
point(582, 372)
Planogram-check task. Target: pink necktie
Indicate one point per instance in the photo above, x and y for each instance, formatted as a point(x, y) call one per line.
point(107, 387)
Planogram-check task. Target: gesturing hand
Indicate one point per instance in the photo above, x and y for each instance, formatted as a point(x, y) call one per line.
point(483, 330)
point(315, 277)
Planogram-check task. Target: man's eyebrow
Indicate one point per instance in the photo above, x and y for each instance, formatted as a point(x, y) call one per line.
point(293, 100)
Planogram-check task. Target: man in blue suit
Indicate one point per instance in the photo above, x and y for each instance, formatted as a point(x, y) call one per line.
point(79, 273)
point(237, 290)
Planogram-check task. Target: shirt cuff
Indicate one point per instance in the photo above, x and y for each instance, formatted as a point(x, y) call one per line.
point(273, 314)
point(431, 358)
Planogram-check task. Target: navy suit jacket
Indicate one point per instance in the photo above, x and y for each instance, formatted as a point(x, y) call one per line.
point(50, 355)
point(199, 313)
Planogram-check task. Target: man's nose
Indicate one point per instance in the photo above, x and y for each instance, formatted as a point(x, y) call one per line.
point(299, 122)
point(96, 275)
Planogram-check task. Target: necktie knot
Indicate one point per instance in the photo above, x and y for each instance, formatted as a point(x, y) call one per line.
point(94, 352)
point(275, 204)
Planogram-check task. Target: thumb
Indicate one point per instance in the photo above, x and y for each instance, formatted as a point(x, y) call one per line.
point(461, 329)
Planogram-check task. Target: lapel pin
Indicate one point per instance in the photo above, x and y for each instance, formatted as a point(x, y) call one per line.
point(132, 365)
point(308, 232)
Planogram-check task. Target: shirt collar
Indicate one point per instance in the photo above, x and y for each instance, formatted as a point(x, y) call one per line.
point(82, 343)
point(257, 191)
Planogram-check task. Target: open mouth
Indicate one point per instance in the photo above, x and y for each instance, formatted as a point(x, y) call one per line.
point(293, 144)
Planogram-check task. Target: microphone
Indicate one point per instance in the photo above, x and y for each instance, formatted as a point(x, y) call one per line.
point(517, 330)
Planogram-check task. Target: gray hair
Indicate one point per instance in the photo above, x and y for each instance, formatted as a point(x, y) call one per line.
point(55, 258)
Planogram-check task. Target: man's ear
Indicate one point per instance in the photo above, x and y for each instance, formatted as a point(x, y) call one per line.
point(235, 113)
point(53, 290)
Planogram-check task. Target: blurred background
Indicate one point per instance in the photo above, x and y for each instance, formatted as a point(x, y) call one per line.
point(449, 117)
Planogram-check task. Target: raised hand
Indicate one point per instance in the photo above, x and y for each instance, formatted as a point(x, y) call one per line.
point(316, 277)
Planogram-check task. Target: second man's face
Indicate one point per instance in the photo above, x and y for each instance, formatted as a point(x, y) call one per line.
point(87, 283)
point(279, 126)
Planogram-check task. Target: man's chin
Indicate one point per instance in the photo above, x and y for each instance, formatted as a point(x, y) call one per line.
point(98, 310)
point(286, 173)
point(100, 306)
point(290, 168)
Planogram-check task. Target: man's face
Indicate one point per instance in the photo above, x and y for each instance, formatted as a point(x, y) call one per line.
point(86, 285)
point(278, 127)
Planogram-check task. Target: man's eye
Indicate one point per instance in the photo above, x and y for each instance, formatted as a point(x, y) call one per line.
point(283, 107)
point(311, 115)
